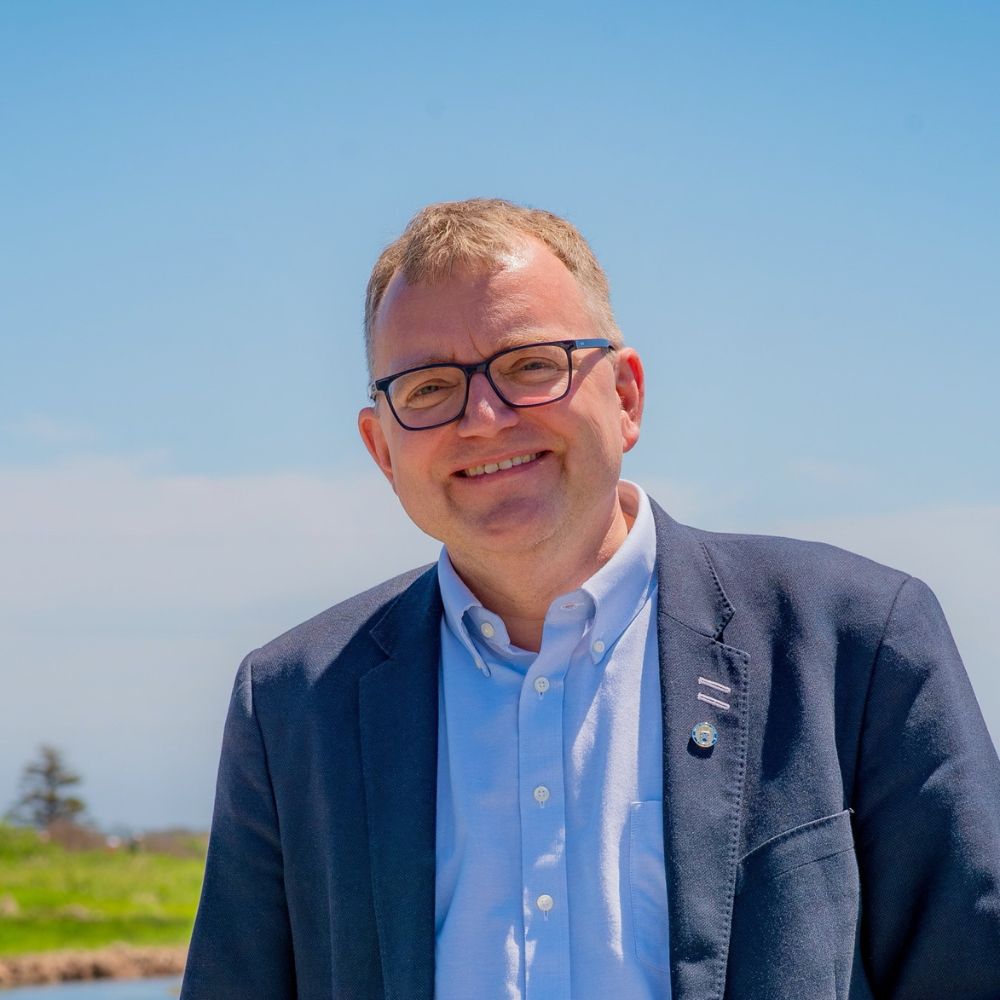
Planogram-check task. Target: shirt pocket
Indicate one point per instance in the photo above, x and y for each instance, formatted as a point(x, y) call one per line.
point(648, 885)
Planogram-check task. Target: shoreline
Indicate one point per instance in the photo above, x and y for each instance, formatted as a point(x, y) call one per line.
point(118, 961)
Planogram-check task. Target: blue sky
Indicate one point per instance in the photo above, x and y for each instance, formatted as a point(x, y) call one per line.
point(797, 205)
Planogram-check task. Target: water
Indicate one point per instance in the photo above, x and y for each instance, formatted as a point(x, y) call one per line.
point(106, 989)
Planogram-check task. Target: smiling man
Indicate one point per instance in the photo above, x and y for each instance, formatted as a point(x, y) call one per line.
point(592, 752)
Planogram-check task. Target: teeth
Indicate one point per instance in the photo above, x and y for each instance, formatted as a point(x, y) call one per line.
point(507, 463)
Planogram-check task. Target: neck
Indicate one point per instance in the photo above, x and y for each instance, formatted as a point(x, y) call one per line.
point(520, 587)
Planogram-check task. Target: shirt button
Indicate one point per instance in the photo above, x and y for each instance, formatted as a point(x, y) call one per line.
point(541, 684)
point(488, 630)
point(541, 794)
point(598, 646)
point(545, 902)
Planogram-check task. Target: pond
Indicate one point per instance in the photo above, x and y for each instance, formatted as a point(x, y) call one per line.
point(103, 989)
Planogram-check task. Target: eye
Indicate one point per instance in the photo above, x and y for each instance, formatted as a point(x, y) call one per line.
point(420, 393)
point(534, 365)
point(425, 390)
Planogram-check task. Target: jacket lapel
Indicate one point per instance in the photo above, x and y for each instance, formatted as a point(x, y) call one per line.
point(702, 788)
point(399, 723)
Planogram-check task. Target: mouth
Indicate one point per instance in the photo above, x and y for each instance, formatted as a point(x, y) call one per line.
point(491, 468)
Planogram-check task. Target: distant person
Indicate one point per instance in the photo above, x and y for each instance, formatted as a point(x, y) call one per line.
point(592, 753)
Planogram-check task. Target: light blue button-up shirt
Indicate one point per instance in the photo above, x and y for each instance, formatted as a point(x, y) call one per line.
point(550, 874)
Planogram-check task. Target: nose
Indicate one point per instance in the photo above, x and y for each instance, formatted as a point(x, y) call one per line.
point(485, 412)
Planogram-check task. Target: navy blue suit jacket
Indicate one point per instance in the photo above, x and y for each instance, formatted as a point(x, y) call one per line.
point(841, 839)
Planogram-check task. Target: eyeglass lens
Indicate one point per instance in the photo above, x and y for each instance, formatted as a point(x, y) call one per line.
point(524, 377)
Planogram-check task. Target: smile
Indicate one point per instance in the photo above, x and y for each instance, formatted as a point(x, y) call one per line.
point(491, 467)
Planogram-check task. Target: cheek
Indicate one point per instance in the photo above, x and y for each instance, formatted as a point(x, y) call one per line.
point(596, 417)
point(600, 431)
point(599, 448)
point(411, 477)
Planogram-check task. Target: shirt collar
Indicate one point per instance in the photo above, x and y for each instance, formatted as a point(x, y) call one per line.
point(623, 585)
point(457, 600)
point(612, 597)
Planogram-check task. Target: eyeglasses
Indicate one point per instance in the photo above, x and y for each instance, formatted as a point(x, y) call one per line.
point(529, 375)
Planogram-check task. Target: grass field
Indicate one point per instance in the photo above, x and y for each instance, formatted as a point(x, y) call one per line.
point(54, 898)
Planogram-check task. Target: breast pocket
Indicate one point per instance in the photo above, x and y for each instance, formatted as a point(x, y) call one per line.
point(648, 885)
point(803, 845)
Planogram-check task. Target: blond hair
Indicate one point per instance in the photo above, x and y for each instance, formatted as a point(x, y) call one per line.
point(480, 232)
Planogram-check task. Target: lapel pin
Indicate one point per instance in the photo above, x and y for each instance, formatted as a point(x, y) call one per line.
point(704, 735)
point(714, 700)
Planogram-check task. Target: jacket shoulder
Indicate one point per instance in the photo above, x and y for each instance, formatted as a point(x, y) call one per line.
point(807, 580)
point(780, 554)
point(310, 649)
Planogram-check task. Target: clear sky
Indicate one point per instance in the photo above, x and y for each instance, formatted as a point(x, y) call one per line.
point(798, 207)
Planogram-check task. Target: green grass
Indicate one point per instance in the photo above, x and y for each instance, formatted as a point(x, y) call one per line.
point(53, 898)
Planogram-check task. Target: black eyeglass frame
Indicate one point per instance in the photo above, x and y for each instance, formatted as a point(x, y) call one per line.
point(483, 368)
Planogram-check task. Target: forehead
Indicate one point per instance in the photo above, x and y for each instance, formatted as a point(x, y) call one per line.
point(473, 313)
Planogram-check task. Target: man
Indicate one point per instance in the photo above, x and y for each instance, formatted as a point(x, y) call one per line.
point(592, 753)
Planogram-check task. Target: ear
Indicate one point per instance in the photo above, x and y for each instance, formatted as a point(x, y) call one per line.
point(630, 382)
point(370, 429)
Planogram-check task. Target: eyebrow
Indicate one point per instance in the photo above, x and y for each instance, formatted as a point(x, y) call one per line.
point(505, 342)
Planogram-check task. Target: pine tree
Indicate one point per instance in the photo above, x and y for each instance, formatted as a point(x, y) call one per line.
point(43, 798)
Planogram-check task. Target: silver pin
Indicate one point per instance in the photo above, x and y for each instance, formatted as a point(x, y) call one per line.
point(714, 685)
point(708, 699)
point(704, 735)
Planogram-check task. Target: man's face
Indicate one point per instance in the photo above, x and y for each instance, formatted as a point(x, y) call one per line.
point(569, 488)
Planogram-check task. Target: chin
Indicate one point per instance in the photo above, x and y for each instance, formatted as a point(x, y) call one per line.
point(520, 523)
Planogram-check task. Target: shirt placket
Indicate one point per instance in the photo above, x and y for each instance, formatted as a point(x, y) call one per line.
point(541, 792)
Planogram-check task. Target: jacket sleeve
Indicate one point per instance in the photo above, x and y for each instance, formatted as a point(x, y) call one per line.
point(927, 799)
point(242, 945)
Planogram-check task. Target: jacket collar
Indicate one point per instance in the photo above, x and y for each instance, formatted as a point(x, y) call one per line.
point(690, 591)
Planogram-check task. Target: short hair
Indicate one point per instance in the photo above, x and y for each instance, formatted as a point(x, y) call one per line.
point(480, 232)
